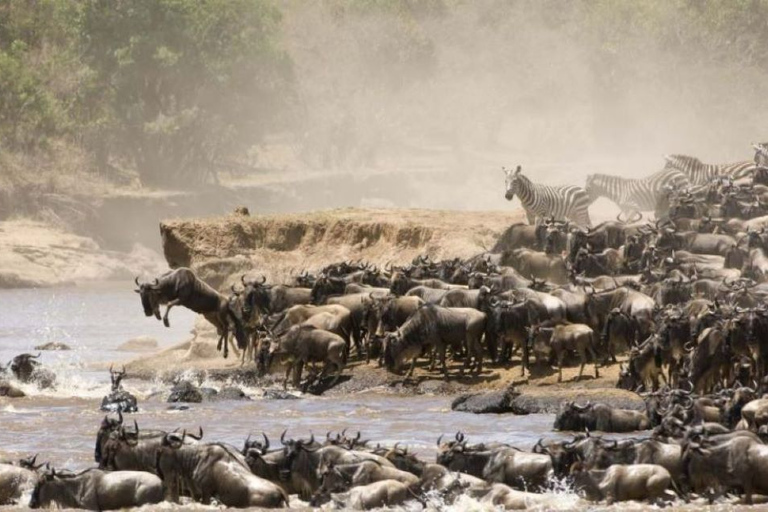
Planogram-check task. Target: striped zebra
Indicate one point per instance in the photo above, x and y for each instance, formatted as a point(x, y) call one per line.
point(544, 201)
point(636, 195)
point(700, 173)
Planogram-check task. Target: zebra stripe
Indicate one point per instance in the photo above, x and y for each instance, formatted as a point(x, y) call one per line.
point(700, 173)
point(544, 201)
point(635, 195)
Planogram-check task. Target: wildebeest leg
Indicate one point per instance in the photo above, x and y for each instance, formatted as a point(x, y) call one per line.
point(298, 370)
point(223, 341)
point(593, 355)
point(339, 369)
point(413, 367)
point(288, 368)
point(583, 358)
point(442, 361)
point(168, 307)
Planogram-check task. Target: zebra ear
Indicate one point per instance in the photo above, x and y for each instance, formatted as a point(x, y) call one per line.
point(519, 168)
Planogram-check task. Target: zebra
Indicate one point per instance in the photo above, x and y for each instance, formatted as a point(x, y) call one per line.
point(700, 173)
point(545, 201)
point(636, 195)
point(761, 155)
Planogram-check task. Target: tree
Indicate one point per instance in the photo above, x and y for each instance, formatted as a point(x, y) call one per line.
point(187, 82)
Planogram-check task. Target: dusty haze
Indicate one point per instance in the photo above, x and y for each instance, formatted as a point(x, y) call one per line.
point(563, 88)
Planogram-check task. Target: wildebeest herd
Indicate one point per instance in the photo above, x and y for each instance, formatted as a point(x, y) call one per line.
point(681, 300)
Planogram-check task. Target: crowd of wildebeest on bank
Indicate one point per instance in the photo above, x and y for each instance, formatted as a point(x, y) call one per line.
point(680, 300)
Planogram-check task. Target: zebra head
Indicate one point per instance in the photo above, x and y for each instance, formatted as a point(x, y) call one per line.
point(512, 178)
point(761, 154)
point(681, 162)
point(590, 186)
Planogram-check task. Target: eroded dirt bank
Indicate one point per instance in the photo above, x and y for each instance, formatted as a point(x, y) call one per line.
point(280, 246)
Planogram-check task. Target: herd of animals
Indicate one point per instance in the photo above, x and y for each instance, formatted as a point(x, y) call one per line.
point(681, 300)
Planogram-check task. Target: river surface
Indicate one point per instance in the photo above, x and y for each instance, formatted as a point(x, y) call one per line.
point(96, 319)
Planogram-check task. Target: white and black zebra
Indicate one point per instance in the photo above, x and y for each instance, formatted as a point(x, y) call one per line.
point(700, 173)
point(636, 195)
point(544, 201)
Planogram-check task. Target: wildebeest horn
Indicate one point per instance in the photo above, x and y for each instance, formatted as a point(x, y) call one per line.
point(439, 439)
point(266, 442)
point(37, 356)
point(137, 281)
point(263, 279)
point(199, 436)
point(282, 437)
point(242, 280)
point(155, 283)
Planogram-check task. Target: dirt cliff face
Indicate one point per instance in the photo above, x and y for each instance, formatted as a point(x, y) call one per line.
point(279, 246)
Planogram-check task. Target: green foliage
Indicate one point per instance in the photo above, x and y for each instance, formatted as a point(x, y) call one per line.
point(187, 81)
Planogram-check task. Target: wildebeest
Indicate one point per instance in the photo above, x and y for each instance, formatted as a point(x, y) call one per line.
point(94, 489)
point(562, 339)
point(440, 328)
point(270, 299)
point(623, 483)
point(304, 344)
point(216, 471)
point(16, 480)
point(572, 416)
point(181, 287)
point(500, 464)
point(27, 368)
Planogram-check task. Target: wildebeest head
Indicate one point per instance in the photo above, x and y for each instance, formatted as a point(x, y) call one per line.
point(150, 297)
point(584, 482)
point(628, 379)
point(255, 297)
point(23, 366)
point(292, 448)
point(256, 444)
point(512, 180)
point(572, 416)
point(38, 498)
point(391, 360)
point(326, 286)
point(108, 425)
point(116, 377)
point(447, 451)
point(399, 283)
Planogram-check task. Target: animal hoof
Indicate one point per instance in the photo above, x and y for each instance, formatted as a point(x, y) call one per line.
point(166, 322)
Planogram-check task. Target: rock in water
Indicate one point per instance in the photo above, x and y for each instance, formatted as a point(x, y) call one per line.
point(230, 393)
point(494, 402)
point(53, 345)
point(140, 344)
point(185, 391)
point(119, 400)
point(9, 390)
point(279, 394)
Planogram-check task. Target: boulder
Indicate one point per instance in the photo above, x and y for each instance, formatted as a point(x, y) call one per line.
point(231, 393)
point(11, 391)
point(139, 344)
point(279, 394)
point(53, 345)
point(186, 392)
point(493, 402)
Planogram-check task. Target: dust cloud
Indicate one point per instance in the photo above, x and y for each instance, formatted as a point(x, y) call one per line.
point(446, 92)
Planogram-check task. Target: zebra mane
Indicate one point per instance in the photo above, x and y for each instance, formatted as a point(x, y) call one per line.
point(684, 158)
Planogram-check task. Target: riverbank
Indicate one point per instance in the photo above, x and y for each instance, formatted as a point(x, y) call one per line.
point(35, 254)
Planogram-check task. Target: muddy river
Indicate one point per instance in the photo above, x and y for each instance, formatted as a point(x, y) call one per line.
point(95, 320)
